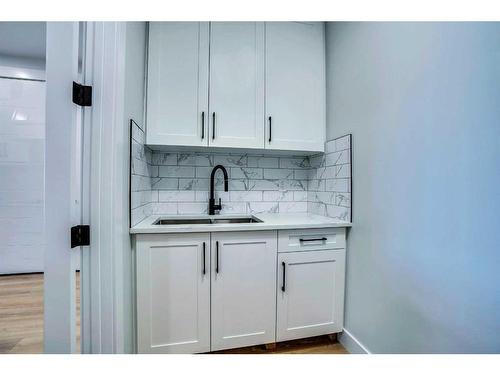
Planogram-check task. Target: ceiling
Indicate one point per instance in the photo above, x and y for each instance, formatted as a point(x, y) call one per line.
point(23, 39)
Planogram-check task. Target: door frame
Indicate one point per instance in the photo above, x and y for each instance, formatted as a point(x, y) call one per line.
point(106, 310)
point(60, 169)
point(104, 192)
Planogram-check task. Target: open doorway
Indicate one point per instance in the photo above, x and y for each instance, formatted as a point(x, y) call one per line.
point(22, 195)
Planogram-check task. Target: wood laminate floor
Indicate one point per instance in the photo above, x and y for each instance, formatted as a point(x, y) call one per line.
point(21, 322)
point(21, 313)
point(313, 345)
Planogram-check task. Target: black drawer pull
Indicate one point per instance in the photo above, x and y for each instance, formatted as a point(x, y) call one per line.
point(204, 261)
point(202, 125)
point(270, 128)
point(312, 239)
point(213, 125)
point(217, 256)
point(284, 276)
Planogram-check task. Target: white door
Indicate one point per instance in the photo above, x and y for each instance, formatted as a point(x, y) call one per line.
point(295, 86)
point(22, 148)
point(310, 293)
point(237, 84)
point(62, 147)
point(243, 289)
point(173, 293)
point(177, 94)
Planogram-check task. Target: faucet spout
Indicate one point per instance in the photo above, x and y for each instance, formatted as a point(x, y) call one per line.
point(212, 207)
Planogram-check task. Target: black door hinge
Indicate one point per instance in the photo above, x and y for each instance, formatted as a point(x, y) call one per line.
point(80, 235)
point(82, 95)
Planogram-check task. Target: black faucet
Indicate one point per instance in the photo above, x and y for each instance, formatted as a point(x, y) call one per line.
point(211, 202)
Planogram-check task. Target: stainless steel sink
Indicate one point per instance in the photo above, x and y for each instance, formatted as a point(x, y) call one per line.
point(181, 221)
point(225, 220)
point(236, 220)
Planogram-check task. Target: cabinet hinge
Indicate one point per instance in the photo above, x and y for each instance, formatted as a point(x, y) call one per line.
point(82, 95)
point(80, 235)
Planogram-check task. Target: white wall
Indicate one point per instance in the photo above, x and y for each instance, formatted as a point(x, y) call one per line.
point(422, 102)
point(135, 41)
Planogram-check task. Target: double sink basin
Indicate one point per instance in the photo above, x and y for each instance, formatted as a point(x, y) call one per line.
point(223, 220)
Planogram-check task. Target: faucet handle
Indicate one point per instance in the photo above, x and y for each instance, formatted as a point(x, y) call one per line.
point(220, 203)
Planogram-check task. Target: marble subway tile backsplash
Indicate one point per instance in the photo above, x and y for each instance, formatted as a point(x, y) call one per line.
point(141, 192)
point(256, 183)
point(171, 183)
point(329, 185)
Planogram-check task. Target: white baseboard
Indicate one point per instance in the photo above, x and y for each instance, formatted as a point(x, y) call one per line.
point(351, 343)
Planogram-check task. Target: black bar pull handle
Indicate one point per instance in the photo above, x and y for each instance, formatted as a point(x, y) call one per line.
point(204, 257)
point(217, 256)
point(284, 276)
point(213, 125)
point(270, 128)
point(312, 239)
point(203, 125)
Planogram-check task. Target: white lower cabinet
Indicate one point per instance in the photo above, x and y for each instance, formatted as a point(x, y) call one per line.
point(243, 292)
point(201, 292)
point(173, 293)
point(310, 293)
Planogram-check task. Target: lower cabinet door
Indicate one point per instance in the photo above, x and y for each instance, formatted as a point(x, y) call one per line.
point(173, 293)
point(243, 289)
point(310, 298)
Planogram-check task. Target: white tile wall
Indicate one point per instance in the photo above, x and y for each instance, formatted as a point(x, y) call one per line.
point(144, 176)
point(179, 182)
point(22, 196)
point(330, 180)
point(256, 183)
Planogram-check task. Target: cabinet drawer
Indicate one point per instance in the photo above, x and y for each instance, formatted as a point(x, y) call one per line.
point(311, 239)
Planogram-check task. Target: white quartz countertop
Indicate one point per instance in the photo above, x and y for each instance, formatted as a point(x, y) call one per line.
point(270, 221)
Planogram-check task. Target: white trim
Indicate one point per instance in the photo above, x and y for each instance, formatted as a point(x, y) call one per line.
point(108, 192)
point(119, 193)
point(60, 147)
point(102, 268)
point(85, 269)
point(352, 344)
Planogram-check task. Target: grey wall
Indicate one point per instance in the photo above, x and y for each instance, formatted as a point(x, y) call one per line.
point(423, 103)
point(23, 39)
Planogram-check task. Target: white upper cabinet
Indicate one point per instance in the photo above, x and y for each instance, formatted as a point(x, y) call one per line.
point(177, 93)
point(237, 84)
point(295, 86)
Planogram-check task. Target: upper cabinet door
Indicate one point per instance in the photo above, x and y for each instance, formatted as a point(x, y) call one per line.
point(237, 84)
point(295, 86)
point(177, 93)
